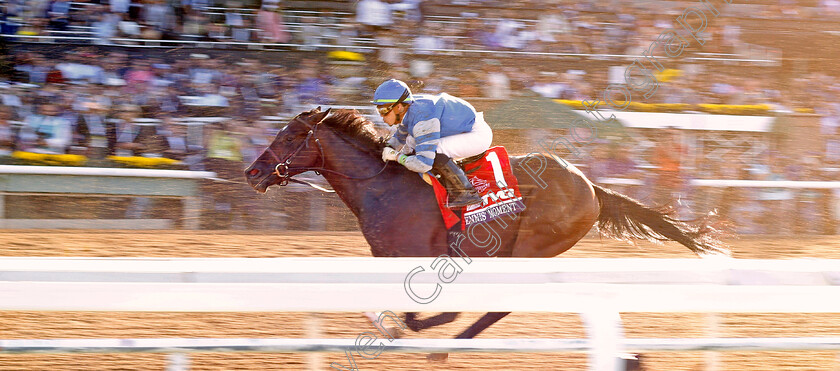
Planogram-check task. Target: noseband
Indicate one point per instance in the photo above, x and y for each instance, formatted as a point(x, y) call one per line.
point(282, 168)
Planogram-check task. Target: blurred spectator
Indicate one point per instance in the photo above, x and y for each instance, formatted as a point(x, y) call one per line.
point(59, 15)
point(724, 91)
point(667, 157)
point(209, 96)
point(255, 140)
point(138, 77)
point(311, 89)
point(731, 35)
point(830, 7)
point(202, 70)
point(496, 83)
point(47, 131)
point(196, 24)
point(91, 130)
point(374, 15)
point(122, 135)
point(612, 161)
point(476, 35)
point(552, 23)
point(12, 17)
point(119, 7)
point(677, 92)
point(242, 34)
point(270, 22)
point(310, 33)
point(547, 85)
point(235, 23)
point(151, 143)
point(81, 67)
point(832, 149)
point(426, 41)
point(390, 51)
point(104, 25)
point(159, 18)
point(507, 31)
point(176, 138)
point(217, 32)
point(224, 157)
point(195, 5)
point(8, 136)
point(830, 118)
point(128, 27)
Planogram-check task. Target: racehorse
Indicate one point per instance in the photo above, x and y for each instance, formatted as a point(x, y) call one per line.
point(399, 217)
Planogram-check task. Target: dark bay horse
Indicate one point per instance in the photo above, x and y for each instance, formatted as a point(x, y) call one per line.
point(398, 215)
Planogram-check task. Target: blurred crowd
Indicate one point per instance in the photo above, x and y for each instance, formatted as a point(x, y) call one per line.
point(102, 102)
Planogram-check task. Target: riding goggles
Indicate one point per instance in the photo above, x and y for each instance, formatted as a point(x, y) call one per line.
point(387, 109)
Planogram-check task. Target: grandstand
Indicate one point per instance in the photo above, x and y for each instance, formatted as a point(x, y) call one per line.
point(759, 62)
point(167, 101)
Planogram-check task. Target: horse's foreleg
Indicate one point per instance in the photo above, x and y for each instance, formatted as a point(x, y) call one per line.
point(421, 324)
point(482, 324)
point(395, 332)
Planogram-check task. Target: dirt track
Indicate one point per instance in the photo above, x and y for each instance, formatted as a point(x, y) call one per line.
point(28, 325)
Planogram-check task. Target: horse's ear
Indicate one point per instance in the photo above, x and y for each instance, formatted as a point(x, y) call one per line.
point(321, 116)
point(317, 109)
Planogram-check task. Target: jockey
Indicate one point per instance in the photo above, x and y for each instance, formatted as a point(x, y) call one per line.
point(436, 129)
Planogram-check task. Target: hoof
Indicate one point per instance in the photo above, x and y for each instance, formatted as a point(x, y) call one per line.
point(437, 357)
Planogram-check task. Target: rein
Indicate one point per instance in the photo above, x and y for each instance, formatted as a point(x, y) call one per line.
point(281, 170)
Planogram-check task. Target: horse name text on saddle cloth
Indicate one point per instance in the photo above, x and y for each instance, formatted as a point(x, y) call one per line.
point(494, 205)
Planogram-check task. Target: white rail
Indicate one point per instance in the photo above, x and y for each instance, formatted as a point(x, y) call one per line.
point(370, 284)
point(285, 345)
point(104, 171)
point(595, 288)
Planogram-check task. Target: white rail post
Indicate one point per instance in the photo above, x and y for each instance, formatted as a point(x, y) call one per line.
point(192, 213)
point(605, 334)
point(178, 362)
point(314, 360)
point(835, 201)
point(712, 331)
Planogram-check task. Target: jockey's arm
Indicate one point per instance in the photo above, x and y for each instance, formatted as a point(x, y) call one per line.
point(398, 139)
point(427, 135)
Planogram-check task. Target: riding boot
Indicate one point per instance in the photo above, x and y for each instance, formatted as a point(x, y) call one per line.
point(461, 191)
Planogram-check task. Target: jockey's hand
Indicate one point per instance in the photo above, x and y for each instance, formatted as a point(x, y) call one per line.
point(389, 154)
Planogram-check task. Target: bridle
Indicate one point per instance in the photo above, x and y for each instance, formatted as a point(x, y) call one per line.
point(282, 167)
point(281, 170)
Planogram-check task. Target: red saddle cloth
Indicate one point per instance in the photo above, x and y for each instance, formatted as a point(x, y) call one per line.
point(493, 179)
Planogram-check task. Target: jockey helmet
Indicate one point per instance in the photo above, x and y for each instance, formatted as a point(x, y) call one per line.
point(391, 92)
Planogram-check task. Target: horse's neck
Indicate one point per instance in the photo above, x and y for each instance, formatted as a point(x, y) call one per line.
point(360, 195)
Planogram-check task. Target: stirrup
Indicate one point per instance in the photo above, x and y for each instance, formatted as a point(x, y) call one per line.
point(465, 199)
point(461, 191)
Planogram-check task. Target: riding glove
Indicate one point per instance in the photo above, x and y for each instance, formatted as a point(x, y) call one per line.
point(389, 154)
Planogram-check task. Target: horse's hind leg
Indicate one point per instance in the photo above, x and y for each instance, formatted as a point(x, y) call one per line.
point(421, 324)
point(482, 324)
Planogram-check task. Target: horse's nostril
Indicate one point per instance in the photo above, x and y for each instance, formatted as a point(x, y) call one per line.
point(253, 172)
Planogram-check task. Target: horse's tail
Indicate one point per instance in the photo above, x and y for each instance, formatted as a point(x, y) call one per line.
point(626, 219)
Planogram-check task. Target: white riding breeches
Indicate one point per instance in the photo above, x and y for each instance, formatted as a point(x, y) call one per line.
point(462, 145)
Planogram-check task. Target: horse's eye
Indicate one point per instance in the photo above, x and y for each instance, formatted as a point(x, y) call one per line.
point(289, 138)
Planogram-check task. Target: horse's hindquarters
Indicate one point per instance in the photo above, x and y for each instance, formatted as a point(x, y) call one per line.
point(561, 206)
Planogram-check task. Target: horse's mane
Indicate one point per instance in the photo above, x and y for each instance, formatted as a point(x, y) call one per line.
point(355, 125)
